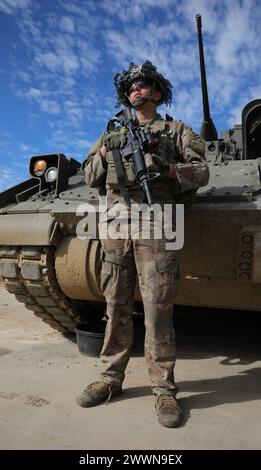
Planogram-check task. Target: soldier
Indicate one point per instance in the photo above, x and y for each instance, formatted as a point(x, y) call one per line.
point(179, 158)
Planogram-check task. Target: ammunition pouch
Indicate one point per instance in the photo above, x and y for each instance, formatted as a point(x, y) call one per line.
point(112, 181)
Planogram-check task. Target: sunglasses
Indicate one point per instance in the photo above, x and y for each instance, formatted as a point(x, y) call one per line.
point(140, 84)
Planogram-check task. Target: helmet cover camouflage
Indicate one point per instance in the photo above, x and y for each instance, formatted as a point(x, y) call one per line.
point(146, 71)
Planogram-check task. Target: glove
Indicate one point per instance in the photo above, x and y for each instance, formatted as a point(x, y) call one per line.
point(115, 140)
point(156, 164)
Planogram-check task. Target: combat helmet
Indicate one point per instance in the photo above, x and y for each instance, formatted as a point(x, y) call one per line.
point(146, 71)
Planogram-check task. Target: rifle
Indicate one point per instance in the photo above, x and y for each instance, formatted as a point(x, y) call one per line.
point(139, 142)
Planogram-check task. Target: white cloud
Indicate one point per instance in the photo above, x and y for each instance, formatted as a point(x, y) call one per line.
point(28, 149)
point(50, 106)
point(41, 98)
point(237, 39)
point(211, 11)
point(24, 76)
point(64, 60)
point(58, 60)
point(70, 59)
point(50, 60)
point(6, 176)
point(89, 57)
point(11, 176)
point(59, 73)
point(5, 139)
point(66, 24)
point(76, 144)
point(70, 63)
point(10, 6)
point(24, 147)
point(135, 10)
point(34, 93)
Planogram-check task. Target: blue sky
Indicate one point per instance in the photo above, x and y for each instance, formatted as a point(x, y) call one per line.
point(58, 59)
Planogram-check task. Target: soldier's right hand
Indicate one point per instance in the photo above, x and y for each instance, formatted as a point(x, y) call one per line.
point(116, 139)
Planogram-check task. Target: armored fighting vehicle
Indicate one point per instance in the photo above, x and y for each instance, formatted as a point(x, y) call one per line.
point(56, 273)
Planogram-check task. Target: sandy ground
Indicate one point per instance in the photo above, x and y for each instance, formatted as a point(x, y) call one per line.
point(218, 371)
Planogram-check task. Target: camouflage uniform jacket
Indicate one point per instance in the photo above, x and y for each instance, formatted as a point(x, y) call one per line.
point(178, 144)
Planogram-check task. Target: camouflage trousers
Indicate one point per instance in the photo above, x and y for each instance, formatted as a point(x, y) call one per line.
point(158, 274)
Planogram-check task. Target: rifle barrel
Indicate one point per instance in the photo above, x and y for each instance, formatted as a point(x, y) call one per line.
point(147, 192)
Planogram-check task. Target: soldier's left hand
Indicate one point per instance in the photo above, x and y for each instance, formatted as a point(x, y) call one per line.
point(156, 164)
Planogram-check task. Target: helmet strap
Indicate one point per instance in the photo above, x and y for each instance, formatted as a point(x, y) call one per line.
point(128, 98)
point(141, 100)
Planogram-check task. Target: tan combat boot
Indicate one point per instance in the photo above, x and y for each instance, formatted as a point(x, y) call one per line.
point(98, 392)
point(168, 411)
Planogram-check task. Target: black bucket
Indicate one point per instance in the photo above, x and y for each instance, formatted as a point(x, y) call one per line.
point(90, 337)
point(89, 342)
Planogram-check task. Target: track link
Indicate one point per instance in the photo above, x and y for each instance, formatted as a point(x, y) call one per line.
point(29, 274)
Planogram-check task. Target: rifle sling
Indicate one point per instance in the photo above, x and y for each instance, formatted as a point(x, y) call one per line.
point(120, 172)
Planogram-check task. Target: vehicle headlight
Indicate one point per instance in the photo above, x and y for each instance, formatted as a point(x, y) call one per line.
point(39, 167)
point(212, 147)
point(51, 175)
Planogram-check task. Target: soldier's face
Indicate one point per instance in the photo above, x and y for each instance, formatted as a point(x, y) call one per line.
point(143, 89)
